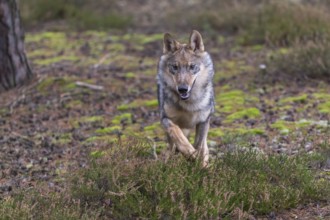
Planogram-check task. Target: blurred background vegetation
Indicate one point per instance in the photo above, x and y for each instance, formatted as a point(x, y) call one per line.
point(274, 23)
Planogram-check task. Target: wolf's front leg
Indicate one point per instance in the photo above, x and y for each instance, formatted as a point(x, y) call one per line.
point(201, 140)
point(178, 139)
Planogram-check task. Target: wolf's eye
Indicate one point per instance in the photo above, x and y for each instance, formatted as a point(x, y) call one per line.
point(192, 67)
point(173, 68)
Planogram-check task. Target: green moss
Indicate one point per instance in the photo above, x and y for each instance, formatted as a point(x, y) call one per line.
point(284, 108)
point(322, 96)
point(124, 107)
point(62, 139)
point(108, 130)
point(303, 123)
point(324, 107)
point(70, 86)
point(133, 129)
point(48, 61)
point(44, 84)
point(257, 47)
point(64, 83)
point(4, 111)
point(233, 94)
point(247, 131)
point(43, 52)
point(74, 104)
point(251, 113)
point(301, 99)
point(97, 154)
point(229, 101)
point(116, 47)
point(151, 103)
point(282, 126)
point(137, 103)
point(96, 139)
point(224, 109)
point(38, 37)
point(161, 146)
point(215, 133)
point(117, 120)
point(259, 131)
point(152, 127)
point(130, 75)
point(153, 130)
point(91, 119)
point(99, 34)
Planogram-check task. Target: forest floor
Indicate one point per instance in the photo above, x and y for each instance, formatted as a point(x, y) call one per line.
point(92, 88)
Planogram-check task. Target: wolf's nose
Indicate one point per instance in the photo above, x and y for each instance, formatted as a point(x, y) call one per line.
point(183, 89)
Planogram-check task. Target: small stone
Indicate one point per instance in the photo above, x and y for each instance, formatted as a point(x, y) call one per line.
point(308, 146)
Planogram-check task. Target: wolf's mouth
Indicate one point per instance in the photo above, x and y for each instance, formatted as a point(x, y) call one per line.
point(184, 96)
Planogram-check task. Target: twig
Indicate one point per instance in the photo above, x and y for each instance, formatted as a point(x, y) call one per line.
point(90, 86)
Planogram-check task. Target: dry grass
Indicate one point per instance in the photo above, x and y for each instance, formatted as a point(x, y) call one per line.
point(125, 183)
point(302, 62)
point(271, 22)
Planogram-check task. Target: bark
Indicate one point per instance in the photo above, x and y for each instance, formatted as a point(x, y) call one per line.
point(14, 67)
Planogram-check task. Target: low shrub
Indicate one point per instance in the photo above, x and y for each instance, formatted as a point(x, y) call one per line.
point(307, 61)
point(272, 22)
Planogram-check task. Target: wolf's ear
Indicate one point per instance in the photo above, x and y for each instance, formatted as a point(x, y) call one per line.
point(170, 45)
point(196, 41)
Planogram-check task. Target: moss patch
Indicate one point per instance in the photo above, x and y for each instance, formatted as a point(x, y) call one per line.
point(322, 96)
point(215, 133)
point(151, 103)
point(97, 139)
point(126, 117)
point(301, 99)
point(283, 126)
point(108, 130)
point(250, 113)
point(62, 82)
point(324, 107)
point(48, 61)
point(138, 103)
point(62, 139)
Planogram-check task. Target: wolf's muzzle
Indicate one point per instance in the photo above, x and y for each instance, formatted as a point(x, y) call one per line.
point(183, 91)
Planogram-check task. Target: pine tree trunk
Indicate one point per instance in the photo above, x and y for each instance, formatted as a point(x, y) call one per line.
point(14, 67)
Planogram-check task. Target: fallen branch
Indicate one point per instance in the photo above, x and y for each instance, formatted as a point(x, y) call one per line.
point(90, 86)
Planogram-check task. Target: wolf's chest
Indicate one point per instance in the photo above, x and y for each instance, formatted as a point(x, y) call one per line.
point(186, 119)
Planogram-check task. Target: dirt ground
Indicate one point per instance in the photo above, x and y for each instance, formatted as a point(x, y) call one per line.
point(91, 88)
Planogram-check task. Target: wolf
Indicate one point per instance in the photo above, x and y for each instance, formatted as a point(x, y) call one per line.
point(185, 95)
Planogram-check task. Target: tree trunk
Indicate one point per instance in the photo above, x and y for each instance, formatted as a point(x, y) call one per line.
point(14, 67)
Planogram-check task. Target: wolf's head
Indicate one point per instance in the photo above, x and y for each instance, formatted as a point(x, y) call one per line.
point(183, 64)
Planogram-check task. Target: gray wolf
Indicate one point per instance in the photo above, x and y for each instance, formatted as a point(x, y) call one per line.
point(185, 95)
